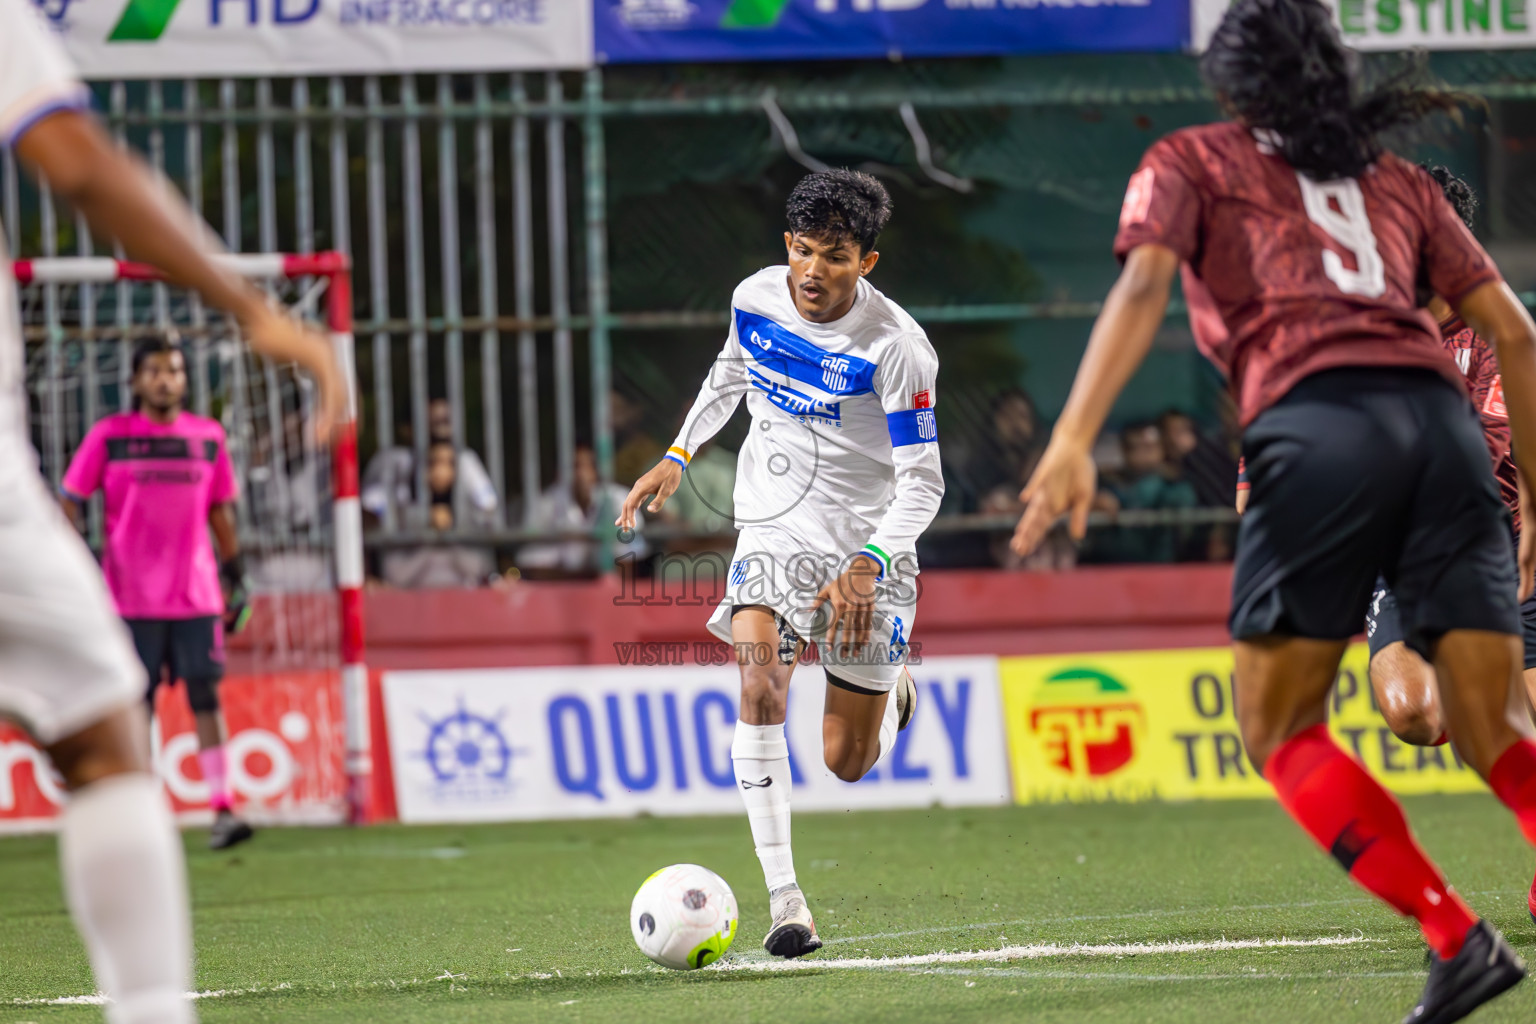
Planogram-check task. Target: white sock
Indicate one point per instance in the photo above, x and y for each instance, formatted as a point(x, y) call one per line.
point(889, 727)
point(125, 880)
point(761, 756)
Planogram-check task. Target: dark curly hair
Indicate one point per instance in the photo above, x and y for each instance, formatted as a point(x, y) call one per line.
point(839, 204)
point(1460, 195)
point(1279, 64)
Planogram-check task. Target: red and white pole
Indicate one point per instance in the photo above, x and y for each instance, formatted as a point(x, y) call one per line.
point(349, 556)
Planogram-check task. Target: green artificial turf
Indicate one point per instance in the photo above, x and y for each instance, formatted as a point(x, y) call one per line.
point(529, 922)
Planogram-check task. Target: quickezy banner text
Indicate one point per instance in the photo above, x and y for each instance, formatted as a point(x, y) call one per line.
point(511, 744)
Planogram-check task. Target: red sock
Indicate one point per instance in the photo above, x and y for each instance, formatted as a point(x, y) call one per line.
point(1513, 780)
point(1359, 823)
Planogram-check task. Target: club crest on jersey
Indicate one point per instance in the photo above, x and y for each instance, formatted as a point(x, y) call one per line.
point(927, 427)
point(834, 372)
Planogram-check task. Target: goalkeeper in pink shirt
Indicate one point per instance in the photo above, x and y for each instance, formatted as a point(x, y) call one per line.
point(168, 486)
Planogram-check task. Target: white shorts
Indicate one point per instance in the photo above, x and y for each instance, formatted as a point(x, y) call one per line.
point(769, 570)
point(66, 659)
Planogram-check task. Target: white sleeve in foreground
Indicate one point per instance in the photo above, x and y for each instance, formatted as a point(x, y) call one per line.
point(717, 399)
point(36, 79)
point(905, 382)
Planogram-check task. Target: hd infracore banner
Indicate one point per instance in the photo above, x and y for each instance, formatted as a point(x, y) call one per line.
point(1141, 725)
point(637, 31)
point(209, 38)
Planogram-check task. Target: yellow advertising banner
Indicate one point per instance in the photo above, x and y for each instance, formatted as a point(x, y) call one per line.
point(1141, 725)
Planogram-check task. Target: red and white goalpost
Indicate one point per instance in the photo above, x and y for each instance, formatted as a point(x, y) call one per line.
point(301, 757)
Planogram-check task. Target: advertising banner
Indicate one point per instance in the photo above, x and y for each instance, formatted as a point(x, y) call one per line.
point(641, 31)
point(223, 38)
point(1159, 725)
point(1405, 24)
point(517, 744)
point(284, 755)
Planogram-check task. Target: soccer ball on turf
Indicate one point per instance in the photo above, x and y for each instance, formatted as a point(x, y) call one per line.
point(683, 917)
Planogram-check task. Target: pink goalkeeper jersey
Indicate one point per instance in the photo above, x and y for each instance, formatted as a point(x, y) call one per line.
point(160, 481)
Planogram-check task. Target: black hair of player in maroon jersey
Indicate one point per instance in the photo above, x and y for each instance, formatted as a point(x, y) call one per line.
point(1457, 192)
point(839, 204)
point(1279, 64)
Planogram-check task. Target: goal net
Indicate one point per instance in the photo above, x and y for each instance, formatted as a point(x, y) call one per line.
point(295, 695)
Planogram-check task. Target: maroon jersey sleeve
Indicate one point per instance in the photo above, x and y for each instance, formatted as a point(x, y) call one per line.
point(1454, 261)
point(1162, 203)
point(1476, 360)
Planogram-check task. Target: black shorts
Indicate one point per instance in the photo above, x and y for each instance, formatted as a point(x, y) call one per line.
point(1383, 627)
point(1358, 473)
point(190, 650)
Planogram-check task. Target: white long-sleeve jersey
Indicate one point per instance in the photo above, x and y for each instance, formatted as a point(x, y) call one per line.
point(843, 452)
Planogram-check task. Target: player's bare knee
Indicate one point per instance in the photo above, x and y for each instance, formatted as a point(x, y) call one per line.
point(844, 754)
point(1414, 722)
point(116, 745)
point(848, 762)
point(764, 700)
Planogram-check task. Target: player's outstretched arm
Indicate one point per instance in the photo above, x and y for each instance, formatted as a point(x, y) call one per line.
point(123, 200)
point(1494, 312)
point(1065, 479)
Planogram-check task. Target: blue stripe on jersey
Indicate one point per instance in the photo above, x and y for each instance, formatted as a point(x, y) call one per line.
point(912, 426)
point(783, 351)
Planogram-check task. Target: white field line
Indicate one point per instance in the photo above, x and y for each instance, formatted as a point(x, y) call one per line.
point(935, 962)
point(1130, 915)
point(1034, 952)
point(1057, 975)
point(1133, 915)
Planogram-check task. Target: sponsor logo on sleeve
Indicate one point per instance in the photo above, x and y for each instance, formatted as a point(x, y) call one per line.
point(922, 400)
point(927, 426)
point(1138, 197)
point(1494, 404)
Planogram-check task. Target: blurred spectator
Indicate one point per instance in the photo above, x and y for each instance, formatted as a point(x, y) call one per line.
point(584, 505)
point(390, 477)
point(635, 451)
point(705, 501)
point(1013, 446)
point(1206, 464)
point(439, 565)
point(1146, 482)
point(287, 505)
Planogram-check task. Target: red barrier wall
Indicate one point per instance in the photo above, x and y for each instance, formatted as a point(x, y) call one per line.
point(959, 612)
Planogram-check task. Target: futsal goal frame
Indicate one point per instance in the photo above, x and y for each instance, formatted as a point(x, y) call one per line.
point(335, 269)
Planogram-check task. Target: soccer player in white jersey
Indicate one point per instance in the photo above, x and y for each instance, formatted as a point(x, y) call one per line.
point(68, 671)
point(838, 477)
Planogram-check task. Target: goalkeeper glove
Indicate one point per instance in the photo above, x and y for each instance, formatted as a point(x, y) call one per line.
point(237, 594)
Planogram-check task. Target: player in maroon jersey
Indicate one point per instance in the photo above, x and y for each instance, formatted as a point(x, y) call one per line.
point(1364, 455)
point(1403, 682)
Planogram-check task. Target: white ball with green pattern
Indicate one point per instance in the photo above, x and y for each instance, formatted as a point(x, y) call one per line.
point(684, 917)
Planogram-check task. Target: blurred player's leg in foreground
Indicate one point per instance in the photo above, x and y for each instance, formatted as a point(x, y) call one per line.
point(124, 874)
point(68, 673)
